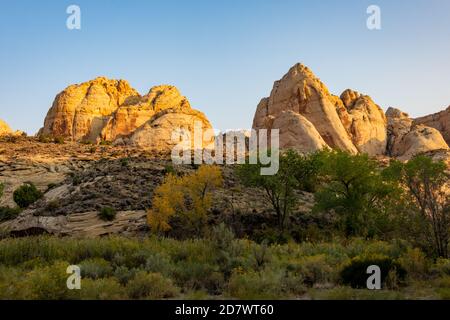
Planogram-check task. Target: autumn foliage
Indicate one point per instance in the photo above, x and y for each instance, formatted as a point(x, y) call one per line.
point(189, 197)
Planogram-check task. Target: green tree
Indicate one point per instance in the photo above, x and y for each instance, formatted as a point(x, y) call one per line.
point(355, 190)
point(279, 189)
point(426, 181)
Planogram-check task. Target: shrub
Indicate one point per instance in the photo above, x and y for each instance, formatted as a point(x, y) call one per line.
point(101, 289)
point(414, 262)
point(7, 213)
point(169, 169)
point(315, 270)
point(194, 275)
point(441, 267)
point(256, 285)
point(48, 283)
point(59, 140)
point(151, 286)
point(158, 263)
point(44, 138)
point(355, 273)
point(26, 195)
point(95, 268)
point(123, 274)
point(107, 214)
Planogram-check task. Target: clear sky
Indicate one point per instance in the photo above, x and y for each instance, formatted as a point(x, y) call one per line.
point(224, 55)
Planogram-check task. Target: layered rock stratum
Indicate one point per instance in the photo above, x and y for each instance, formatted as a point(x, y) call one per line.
point(310, 118)
point(112, 111)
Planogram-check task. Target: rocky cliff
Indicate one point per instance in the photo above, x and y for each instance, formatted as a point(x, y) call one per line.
point(310, 118)
point(111, 110)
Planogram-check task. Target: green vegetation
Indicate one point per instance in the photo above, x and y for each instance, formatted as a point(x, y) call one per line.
point(107, 214)
point(26, 195)
point(395, 216)
point(7, 213)
point(216, 267)
point(356, 197)
point(278, 190)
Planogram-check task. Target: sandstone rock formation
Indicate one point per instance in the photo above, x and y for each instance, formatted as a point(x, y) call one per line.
point(439, 121)
point(133, 114)
point(158, 133)
point(420, 139)
point(301, 92)
point(310, 118)
point(368, 123)
point(399, 124)
point(296, 132)
point(81, 111)
point(407, 139)
point(4, 128)
point(110, 110)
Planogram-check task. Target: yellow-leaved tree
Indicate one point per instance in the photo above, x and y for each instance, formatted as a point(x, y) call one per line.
point(189, 197)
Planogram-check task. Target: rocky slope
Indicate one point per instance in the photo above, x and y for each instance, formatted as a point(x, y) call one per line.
point(78, 180)
point(110, 110)
point(310, 118)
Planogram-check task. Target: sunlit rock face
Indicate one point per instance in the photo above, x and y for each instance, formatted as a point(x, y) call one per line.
point(310, 118)
point(111, 110)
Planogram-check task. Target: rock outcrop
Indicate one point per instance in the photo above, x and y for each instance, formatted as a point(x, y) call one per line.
point(368, 123)
point(4, 128)
point(303, 93)
point(133, 114)
point(310, 118)
point(420, 139)
point(407, 138)
point(158, 133)
point(296, 132)
point(439, 121)
point(81, 111)
point(110, 110)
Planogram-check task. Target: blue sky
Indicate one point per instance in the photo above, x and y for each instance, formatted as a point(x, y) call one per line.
point(224, 55)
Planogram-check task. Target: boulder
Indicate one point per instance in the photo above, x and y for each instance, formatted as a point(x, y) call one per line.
point(439, 121)
point(420, 139)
